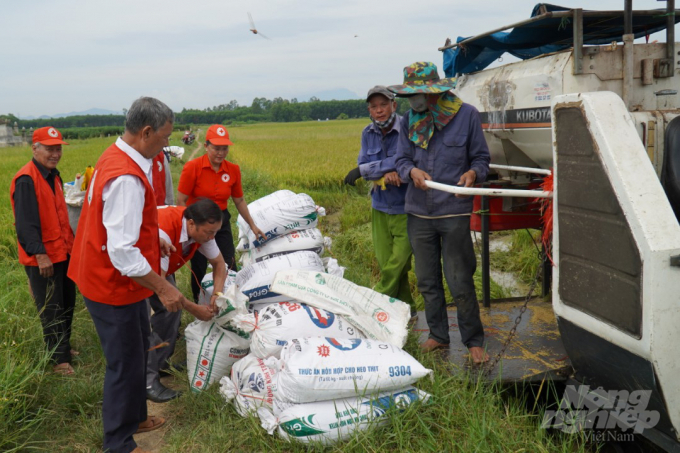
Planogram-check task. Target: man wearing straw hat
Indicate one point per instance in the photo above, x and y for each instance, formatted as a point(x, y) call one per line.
point(441, 140)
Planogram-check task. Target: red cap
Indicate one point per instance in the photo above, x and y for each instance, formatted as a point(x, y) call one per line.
point(48, 136)
point(218, 135)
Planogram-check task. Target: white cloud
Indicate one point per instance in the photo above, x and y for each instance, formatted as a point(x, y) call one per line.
point(68, 55)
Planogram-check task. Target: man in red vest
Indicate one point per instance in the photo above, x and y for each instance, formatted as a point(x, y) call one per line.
point(190, 230)
point(116, 265)
point(162, 181)
point(45, 240)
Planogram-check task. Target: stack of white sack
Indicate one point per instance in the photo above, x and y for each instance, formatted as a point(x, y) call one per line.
point(310, 240)
point(255, 280)
point(276, 215)
point(378, 316)
point(208, 286)
point(279, 323)
point(328, 373)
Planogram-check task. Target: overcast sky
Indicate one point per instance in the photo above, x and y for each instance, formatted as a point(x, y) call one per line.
point(72, 55)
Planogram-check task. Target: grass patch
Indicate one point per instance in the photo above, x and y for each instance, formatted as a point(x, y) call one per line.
point(523, 256)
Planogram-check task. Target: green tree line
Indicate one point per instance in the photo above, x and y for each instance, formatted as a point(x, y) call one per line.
point(260, 110)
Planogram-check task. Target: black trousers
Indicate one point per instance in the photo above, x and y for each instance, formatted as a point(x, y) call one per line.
point(124, 335)
point(199, 263)
point(55, 298)
point(164, 328)
point(447, 241)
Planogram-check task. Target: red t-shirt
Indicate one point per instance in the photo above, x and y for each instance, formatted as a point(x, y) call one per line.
point(198, 179)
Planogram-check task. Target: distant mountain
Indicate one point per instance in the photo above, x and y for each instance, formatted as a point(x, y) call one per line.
point(339, 94)
point(93, 111)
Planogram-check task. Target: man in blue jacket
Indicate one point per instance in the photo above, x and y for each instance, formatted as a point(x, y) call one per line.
point(441, 140)
point(377, 163)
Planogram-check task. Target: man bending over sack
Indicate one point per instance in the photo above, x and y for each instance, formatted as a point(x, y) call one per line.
point(377, 163)
point(189, 229)
point(116, 265)
point(441, 140)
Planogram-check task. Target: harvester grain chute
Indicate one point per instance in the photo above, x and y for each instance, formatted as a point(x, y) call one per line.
point(602, 113)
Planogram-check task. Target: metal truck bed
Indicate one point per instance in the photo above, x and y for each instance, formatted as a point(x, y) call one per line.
point(536, 352)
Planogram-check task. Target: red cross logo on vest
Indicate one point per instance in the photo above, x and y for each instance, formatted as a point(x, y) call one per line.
point(225, 177)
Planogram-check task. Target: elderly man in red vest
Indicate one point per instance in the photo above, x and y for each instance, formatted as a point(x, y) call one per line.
point(45, 241)
point(116, 265)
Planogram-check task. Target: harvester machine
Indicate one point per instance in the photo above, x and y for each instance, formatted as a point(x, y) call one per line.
point(601, 114)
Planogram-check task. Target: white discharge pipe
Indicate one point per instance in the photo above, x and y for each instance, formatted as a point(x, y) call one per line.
point(491, 192)
point(538, 171)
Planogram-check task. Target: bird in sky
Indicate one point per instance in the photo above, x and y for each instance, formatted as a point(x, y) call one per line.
point(253, 29)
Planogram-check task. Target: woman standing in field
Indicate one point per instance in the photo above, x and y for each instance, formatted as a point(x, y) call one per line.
point(212, 176)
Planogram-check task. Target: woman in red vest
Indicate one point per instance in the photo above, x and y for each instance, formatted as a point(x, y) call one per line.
point(45, 240)
point(190, 230)
point(212, 176)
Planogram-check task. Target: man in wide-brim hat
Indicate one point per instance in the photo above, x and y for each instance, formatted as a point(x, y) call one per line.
point(441, 140)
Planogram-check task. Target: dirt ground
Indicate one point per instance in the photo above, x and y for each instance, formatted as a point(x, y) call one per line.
point(199, 145)
point(153, 441)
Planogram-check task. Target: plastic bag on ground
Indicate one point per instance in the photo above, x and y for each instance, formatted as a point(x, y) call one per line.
point(260, 204)
point(337, 420)
point(208, 286)
point(211, 352)
point(284, 321)
point(255, 280)
point(317, 369)
point(292, 214)
point(310, 240)
point(251, 385)
point(378, 316)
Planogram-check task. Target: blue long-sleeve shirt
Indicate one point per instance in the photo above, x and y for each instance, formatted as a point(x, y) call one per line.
point(457, 148)
point(377, 157)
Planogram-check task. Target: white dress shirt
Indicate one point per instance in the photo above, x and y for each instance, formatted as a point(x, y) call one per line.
point(123, 199)
point(209, 249)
